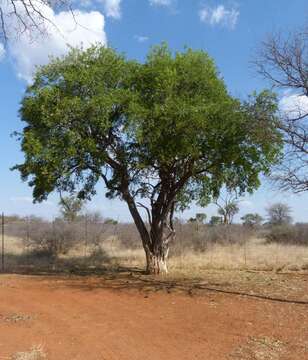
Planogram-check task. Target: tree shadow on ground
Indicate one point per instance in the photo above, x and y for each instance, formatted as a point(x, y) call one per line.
point(134, 279)
point(98, 271)
point(45, 263)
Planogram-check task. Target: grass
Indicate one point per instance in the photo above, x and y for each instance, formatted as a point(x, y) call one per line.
point(14, 318)
point(256, 254)
point(36, 353)
point(260, 349)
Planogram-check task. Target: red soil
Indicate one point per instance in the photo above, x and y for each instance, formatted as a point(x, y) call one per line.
point(97, 319)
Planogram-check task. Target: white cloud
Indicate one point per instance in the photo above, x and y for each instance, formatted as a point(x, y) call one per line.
point(84, 29)
point(161, 2)
point(141, 38)
point(2, 51)
point(293, 105)
point(219, 15)
point(112, 8)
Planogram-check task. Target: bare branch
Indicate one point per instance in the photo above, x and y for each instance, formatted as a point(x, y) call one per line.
point(20, 16)
point(284, 62)
point(147, 210)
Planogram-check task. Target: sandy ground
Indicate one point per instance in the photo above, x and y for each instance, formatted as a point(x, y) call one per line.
point(124, 317)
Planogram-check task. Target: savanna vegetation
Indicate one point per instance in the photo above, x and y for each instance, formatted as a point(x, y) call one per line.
point(85, 241)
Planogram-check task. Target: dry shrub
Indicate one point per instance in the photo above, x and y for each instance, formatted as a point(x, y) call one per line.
point(50, 239)
point(288, 234)
point(95, 243)
point(201, 238)
point(59, 237)
point(128, 236)
point(98, 256)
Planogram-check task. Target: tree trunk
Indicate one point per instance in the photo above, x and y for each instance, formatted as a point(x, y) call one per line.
point(156, 261)
point(155, 242)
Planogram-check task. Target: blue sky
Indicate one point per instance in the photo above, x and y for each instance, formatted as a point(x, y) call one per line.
point(229, 30)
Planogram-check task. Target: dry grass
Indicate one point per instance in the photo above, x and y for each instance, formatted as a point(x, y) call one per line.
point(255, 254)
point(36, 353)
point(13, 245)
point(15, 318)
point(260, 349)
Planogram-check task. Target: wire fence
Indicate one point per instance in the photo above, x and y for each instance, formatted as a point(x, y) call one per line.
point(91, 243)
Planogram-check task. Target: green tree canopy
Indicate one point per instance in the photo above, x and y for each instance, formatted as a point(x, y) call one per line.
point(160, 134)
point(252, 220)
point(70, 207)
point(201, 217)
point(216, 220)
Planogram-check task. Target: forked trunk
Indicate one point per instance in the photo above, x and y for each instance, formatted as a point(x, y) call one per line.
point(155, 241)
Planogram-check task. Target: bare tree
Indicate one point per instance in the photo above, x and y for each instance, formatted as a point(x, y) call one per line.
point(283, 60)
point(279, 214)
point(28, 16)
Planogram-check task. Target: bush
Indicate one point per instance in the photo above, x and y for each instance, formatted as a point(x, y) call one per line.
point(199, 237)
point(53, 238)
point(59, 236)
point(288, 234)
point(128, 236)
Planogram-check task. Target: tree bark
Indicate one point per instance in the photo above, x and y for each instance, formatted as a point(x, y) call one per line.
point(156, 261)
point(155, 240)
point(155, 243)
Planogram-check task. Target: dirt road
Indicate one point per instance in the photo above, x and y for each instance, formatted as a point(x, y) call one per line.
point(102, 319)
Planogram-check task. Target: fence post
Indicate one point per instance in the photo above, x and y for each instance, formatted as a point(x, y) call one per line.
point(86, 236)
point(181, 245)
point(245, 252)
point(2, 250)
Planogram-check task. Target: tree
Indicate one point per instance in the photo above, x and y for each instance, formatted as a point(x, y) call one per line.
point(227, 208)
point(160, 134)
point(26, 16)
point(279, 214)
point(283, 60)
point(111, 222)
point(94, 217)
point(70, 207)
point(252, 220)
point(215, 220)
point(201, 218)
